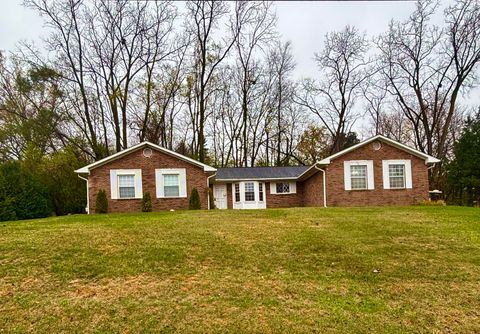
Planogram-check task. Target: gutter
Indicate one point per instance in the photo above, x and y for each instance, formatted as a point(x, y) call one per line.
point(324, 186)
point(208, 188)
point(87, 209)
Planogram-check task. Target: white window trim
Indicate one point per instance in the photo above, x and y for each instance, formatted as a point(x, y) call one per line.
point(235, 192)
point(114, 184)
point(182, 181)
point(408, 173)
point(243, 204)
point(255, 192)
point(292, 186)
point(347, 174)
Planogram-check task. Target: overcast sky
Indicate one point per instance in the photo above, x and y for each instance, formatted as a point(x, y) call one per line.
point(303, 23)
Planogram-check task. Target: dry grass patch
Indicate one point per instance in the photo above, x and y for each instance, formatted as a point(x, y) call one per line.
point(393, 270)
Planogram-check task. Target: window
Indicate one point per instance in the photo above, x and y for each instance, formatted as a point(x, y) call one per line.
point(126, 186)
point(237, 192)
point(283, 188)
point(358, 176)
point(260, 192)
point(396, 175)
point(171, 182)
point(125, 183)
point(249, 192)
point(170, 185)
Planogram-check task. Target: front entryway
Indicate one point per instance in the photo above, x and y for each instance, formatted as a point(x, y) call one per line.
point(220, 195)
point(249, 195)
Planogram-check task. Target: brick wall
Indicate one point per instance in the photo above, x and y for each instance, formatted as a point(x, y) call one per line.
point(99, 178)
point(338, 196)
point(313, 190)
point(285, 200)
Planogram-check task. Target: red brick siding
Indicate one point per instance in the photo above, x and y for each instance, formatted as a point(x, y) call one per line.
point(338, 196)
point(100, 179)
point(285, 200)
point(313, 190)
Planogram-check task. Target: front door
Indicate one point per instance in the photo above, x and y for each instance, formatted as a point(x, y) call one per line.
point(220, 195)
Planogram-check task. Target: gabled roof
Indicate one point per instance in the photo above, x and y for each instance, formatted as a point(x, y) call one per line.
point(120, 154)
point(260, 173)
point(428, 158)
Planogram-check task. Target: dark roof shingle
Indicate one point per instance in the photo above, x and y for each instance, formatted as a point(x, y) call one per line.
point(253, 173)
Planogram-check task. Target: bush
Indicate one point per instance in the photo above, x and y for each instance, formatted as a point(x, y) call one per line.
point(22, 191)
point(433, 203)
point(147, 202)
point(194, 203)
point(7, 209)
point(67, 191)
point(101, 205)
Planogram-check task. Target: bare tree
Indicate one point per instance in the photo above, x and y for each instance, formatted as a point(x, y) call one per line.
point(342, 65)
point(427, 67)
point(256, 33)
point(100, 49)
point(204, 17)
point(281, 64)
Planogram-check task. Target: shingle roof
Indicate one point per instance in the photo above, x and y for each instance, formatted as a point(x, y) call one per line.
point(257, 173)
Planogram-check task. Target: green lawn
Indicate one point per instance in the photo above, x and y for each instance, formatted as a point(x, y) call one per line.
point(292, 270)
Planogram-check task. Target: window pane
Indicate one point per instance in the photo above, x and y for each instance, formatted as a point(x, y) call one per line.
point(126, 180)
point(170, 185)
point(249, 192)
point(126, 186)
point(397, 176)
point(360, 171)
point(283, 188)
point(237, 192)
point(260, 192)
point(170, 179)
point(171, 191)
point(358, 176)
point(127, 192)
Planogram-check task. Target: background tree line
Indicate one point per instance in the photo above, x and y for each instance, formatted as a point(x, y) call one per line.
point(215, 81)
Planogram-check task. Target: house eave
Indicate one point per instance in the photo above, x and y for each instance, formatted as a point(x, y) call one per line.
point(428, 158)
point(257, 179)
point(118, 155)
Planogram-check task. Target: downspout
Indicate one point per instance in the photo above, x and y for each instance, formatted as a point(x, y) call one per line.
point(88, 197)
point(324, 186)
point(208, 187)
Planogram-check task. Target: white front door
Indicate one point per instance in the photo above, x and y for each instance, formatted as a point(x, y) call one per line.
point(220, 195)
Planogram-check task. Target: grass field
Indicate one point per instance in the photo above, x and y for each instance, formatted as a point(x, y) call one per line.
point(393, 270)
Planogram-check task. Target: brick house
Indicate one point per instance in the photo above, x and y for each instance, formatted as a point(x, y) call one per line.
point(377, 171)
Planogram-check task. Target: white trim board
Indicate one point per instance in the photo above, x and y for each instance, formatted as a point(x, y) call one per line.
point(428, 158)
point(86, 169)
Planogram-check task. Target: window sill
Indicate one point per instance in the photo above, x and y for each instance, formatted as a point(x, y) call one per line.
point(360, 189)
point(282, 193)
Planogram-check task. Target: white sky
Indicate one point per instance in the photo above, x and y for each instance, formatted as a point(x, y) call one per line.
point(304, 23)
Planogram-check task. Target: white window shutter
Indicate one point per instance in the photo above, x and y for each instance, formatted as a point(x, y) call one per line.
point(346, 175)
point(159, 183)
point(113, 184)
point(386, 176)
point(293, 188)
point(138, 183)
point(182, 183)
point(408, 174)
point(273, 188)
point(370, 175)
